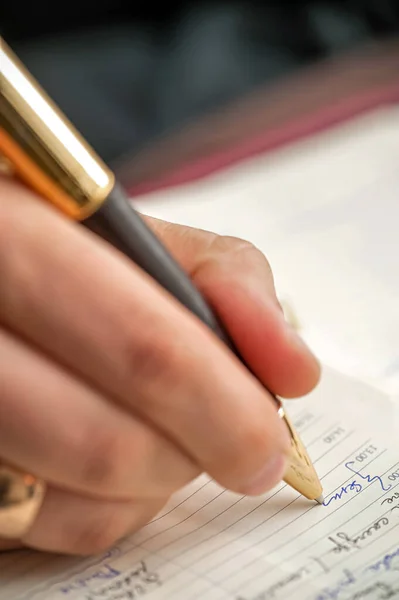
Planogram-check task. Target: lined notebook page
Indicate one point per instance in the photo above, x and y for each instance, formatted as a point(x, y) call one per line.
point(211, 544)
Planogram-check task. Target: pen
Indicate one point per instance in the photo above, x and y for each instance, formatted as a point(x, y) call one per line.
point(43, 149)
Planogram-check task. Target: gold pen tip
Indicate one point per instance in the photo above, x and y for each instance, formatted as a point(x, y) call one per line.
point(320, 499)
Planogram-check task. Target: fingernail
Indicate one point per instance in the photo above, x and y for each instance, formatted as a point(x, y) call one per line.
point(271, 474)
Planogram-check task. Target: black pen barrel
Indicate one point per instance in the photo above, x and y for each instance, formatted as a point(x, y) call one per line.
point(120, 224)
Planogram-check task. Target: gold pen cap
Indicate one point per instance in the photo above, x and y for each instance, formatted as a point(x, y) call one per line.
point(40, 146)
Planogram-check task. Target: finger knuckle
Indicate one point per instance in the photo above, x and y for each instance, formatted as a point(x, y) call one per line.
point(155, 359)
point(232, 244)
point(117, 464)
point(238, 249)
point(103, 458)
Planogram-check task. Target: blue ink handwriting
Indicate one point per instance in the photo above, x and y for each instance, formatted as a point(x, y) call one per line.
point(386, 563)
point(351, 487)
point(106, 572)
point(333, 593)
point(356, 486)
point(368, 478)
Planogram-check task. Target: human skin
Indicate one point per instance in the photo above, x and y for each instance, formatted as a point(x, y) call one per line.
point(114, 394)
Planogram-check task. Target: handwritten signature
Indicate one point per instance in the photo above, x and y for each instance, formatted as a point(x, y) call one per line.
point(356, 485)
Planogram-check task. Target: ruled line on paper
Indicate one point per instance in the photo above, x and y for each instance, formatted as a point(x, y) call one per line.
point(313, 526)
point(392, 591)
point(216, 544)
point(354, 450)
point(187, 498)
point(144, 540)
point(206, 553)
point(329, 533)
point(215, 582)
point(375, 557)
point(165, 514)
point(277, 531)
point(261, 503)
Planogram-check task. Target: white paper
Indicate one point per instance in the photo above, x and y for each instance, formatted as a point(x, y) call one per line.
point(214, 545)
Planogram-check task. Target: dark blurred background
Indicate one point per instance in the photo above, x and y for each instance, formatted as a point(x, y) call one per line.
point(127, 72)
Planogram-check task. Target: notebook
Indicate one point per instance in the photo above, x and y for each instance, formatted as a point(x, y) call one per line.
point(330, 202)
point(211, 544)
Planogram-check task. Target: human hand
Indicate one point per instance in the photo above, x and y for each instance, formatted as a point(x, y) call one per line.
point(114, 394)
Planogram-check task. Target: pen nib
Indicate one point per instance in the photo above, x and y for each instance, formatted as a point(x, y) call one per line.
point(300, 473)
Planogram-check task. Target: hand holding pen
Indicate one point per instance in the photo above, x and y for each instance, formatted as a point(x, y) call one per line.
point(113, 394)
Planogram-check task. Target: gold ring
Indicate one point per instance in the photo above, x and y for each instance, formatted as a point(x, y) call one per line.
point(21, 496)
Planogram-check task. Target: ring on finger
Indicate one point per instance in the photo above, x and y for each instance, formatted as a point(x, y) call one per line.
point(21, 496)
